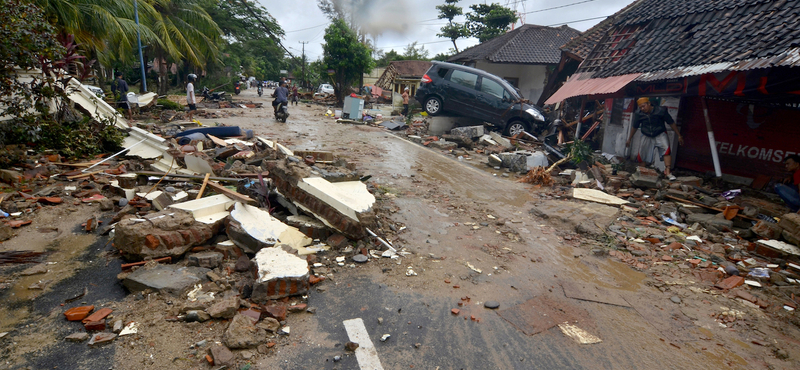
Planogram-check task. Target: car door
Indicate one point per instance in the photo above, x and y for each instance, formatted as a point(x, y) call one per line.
point(461, 94)
point(493, 101)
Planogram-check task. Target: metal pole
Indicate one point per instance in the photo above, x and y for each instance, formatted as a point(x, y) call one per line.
point(711, 141)
point(303, 59)
point(139, 39)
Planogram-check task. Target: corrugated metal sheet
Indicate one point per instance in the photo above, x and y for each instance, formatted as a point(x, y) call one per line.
point(583, 84)
point(790, 58)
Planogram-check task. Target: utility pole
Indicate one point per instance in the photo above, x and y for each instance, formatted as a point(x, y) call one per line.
point(139, 40)
point(303, 59)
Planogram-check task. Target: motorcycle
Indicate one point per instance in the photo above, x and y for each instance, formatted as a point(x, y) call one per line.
point(260, 90)
point(212, 95)
point(237, 88)
point(282, 113)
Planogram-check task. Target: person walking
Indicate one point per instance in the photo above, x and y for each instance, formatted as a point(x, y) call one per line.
point(405, 102)
point(653, 123)
point(119, 86)
point(191, 101)
point(295, 95)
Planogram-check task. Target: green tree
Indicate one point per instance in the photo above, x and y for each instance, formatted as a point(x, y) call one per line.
point(343, 54)
point(26, 39)
point(383, 59)
point(452, 30)
point(187, 33)
point(486, 22)
point(412, 52)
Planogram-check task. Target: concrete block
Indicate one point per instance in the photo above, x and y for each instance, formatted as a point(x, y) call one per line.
point(207, 259)
point(280, 274)
point(768, 230)
point(207, 210)
point(500, 140)
point(487, 140)
point(791, 238)
point(645, 177)
point(468, 131)
point(790, 222)
point(162, 201)
point(170, 279)
point(515, 162)
point(252, 229)
point(443, 144)
point(167, 233)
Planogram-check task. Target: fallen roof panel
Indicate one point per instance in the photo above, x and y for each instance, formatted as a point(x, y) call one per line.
point(583, 84)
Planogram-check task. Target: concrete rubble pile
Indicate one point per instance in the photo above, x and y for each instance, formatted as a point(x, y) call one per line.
point(738, 244)
point(278, 223)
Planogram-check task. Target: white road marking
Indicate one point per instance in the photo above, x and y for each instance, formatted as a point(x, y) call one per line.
point(366, 354)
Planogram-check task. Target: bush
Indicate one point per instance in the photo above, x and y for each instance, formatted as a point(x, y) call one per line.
point(169, 104)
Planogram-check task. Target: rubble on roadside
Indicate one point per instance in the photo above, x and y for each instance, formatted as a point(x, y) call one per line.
point(225, 225)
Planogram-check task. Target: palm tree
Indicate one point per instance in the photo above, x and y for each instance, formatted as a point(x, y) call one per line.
point(186, 32)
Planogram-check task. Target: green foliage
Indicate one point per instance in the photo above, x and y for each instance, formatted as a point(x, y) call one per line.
point(486, 22)
point(412, 52)
point(26, 39)
point(383, 59)
point(580, 151)
point(343, 54)
point(73, 139)
point(169, 104)
point(452, 30)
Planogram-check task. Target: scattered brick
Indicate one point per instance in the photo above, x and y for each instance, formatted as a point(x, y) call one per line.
point(730, 283)
point(275, 312)
point(98, 315)
point(78, 313)
point(455, 311)
point(95, 325)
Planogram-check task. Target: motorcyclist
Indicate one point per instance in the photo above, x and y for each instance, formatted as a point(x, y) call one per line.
point(281, 95)
point(260, 89)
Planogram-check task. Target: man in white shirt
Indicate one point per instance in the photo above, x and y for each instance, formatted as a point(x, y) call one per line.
point(190, 99)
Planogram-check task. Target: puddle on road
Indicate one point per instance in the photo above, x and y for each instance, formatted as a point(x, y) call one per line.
point(64, 251)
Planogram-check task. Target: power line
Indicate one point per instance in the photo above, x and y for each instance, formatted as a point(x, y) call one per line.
point(304, 29)
point(578, 21)
point(558, 7)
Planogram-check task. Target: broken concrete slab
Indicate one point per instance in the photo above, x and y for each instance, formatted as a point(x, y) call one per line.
point(198, 163)
point(224, 309)
point(709, 220)
point(597, 196)
point(170, 279)
point(344, 206)
point(167, 233)
point(311, 227)
point(252, 229)
point(443, 144)
point(468, 131)
point(280, 274)
point(500, 140)
point(222, 355)
point(207, 259)
point(588, 218)
point(778, 245)
point(207, 210)
point(96, 107)
point(645, 177)
point(487, 140)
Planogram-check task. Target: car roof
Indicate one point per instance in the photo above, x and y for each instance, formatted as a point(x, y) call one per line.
point(480, 72)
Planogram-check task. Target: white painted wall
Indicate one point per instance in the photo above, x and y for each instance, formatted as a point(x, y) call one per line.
point(531, 77)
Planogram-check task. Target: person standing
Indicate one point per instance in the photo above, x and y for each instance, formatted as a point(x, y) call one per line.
point(788, 189)
point(295, 95)
point(191, 101)
point(653, 123)
point(119, 86)
point(405, 102)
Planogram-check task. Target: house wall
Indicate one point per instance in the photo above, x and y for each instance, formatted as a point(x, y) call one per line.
point(372, 77)
point(531, 77)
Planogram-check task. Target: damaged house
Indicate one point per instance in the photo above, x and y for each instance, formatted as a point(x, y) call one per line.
point(524, 57)
point(726, 70)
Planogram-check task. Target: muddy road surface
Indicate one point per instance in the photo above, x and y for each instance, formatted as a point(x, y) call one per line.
point(471, 238)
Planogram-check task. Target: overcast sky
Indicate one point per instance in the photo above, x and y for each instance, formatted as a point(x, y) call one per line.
point(401, 22)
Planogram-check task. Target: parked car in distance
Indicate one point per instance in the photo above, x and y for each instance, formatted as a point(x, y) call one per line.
point(471, 92)
point(325, 89)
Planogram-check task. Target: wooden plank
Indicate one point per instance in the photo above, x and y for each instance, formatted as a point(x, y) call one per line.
point(83, 175)
point(217, 140)
point(230, 193)
point(203, 188)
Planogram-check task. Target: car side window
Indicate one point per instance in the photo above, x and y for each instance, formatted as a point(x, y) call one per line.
point(464, 78)
point(442, 72)
point(493, 88)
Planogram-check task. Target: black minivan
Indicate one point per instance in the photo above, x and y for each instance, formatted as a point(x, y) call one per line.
point(471, 92)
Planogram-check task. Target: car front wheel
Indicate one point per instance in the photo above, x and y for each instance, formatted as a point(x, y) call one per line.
point(515, 127)
point(433, 106)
